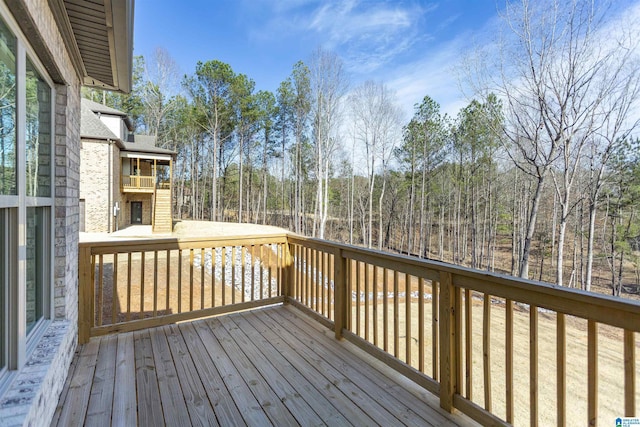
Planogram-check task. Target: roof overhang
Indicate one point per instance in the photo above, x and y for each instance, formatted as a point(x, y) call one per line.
point(145, 155)
point(99, 37)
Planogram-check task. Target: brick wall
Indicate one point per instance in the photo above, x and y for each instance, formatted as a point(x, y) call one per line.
point(96, 159)
point(146, 200)
point(33, 395)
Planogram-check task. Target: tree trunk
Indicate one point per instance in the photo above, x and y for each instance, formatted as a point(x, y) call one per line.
point(531, 227)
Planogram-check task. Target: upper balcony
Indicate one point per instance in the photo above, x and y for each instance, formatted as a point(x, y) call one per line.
point(148, 174)
point(362, 337)
point(138, 184)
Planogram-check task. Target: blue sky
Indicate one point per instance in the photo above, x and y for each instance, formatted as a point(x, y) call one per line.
point(412, 46)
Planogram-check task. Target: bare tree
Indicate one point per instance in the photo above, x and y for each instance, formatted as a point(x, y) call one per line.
point(376, 122)
point(158, 92)
point(556, 73)
point(328, 85)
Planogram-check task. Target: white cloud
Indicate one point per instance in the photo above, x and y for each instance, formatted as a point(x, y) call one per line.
point(433, 74)
point(436, 70)
point(369, 35)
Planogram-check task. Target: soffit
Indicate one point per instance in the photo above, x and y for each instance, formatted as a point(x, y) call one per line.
point(99, 37)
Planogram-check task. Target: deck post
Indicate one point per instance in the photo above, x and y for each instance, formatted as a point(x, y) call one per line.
point(288, 271)
point(340, 295)
point(85, 294)
point(448, 361)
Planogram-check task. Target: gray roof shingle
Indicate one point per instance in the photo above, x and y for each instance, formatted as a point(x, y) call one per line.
point(92, 127)
point(96, 107)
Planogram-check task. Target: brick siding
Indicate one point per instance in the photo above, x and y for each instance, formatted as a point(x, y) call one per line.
point(33, 395)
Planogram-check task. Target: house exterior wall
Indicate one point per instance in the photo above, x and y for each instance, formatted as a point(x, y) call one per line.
point(146, 199)
point(33, 393)
point(99, 184)
point(114, 123)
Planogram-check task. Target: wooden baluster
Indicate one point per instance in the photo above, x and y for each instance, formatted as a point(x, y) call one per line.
point(349, 295)
point(330, 278)
point(190, 279)
point(457, 337)
point(375, 305)
point(629, 374)
point(407, 320)
point(85, 294)
point(233, 275)
point(243, 268)
point(168, 282)
point(142, 254)
point(307, 278)
point(269, 269)
point(224, 274)
point(114, 289)
point(396, 316)
point(421, 344)
point(533, 365)
point(486, 351)
point(316, 299)
point(299, 274)
point(202, 263)
point(179, 280)
point(435, 329)
point(340, 292)
point(358, 299)
point(100, 288)
point(260, 271)
point(592, 363)
point(213, 276)
point(321, 285)
point(561, 356)
point(279, 256)
point(366, 301)
point(385, 310)
point(468, 348)
point(155, 283)
point(129, 286)
point(509, 360)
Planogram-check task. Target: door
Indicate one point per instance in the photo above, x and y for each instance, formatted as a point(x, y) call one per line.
point(136, 212)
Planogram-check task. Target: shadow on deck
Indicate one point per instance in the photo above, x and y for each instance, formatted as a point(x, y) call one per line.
point(273, 366)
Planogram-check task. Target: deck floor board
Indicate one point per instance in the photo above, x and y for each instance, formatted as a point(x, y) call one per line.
point(273, 366)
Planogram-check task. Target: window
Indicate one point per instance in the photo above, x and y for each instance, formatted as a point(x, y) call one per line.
point(26, 198)
point(37, 263)
point(38, 134)
point(8, 146)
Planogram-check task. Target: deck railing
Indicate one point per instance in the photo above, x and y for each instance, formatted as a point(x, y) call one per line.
point(500, 349)
point(138, 182)
point(136, 284)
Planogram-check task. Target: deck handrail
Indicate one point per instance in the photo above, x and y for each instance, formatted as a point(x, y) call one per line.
point(107, 292)
point(357, 309)
point(138, 181)
point(413, 314)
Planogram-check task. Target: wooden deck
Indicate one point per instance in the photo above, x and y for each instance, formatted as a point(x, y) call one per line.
point(273, 366)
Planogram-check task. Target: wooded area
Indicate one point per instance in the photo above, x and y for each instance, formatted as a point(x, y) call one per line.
point(538, 176)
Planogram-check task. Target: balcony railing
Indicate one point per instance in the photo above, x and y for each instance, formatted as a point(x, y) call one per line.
point(499, 349)
point(138, 183)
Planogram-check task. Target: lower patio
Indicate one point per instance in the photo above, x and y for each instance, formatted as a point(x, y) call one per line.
point(272, 366)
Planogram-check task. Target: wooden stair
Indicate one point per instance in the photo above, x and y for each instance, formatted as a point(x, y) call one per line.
point(162, 218)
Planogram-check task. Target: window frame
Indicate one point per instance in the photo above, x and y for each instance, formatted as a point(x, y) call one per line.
point(18, 345)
